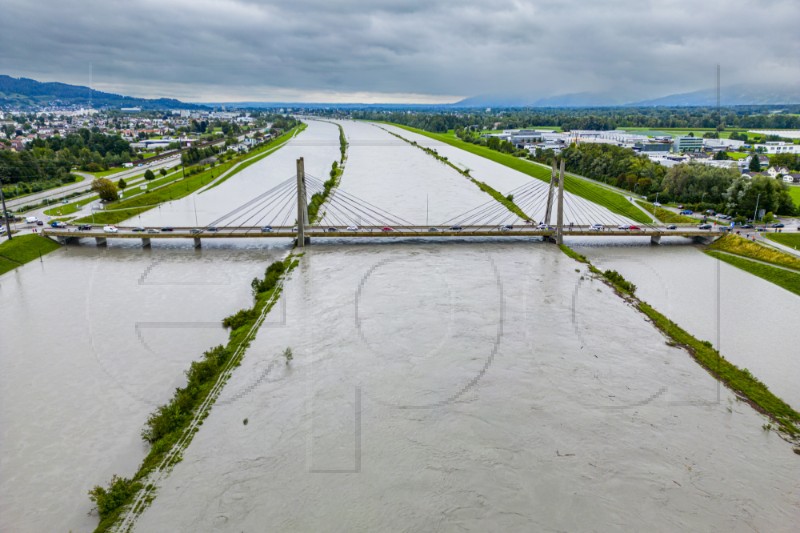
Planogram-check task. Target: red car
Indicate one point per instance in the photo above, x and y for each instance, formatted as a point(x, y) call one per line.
point(386, 228)
point(635, 228)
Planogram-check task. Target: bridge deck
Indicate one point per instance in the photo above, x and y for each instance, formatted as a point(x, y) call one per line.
point(370, 232)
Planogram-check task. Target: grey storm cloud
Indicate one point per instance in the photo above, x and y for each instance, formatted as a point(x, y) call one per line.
point(398, 49)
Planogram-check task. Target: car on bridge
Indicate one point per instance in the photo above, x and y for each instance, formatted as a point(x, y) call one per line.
point(352, 228)
point(456, 228)
point(195, 231)
point(386, 228)
point(433, 230)
point(506, 227)
point(704, 226)
point(597, 227)
point(672, 226)
point(634, 228)
point(110, 229)
point(331, 229)
point(212, 229)
point(624, 226)
point(58, 224)
point(138, 229)
point(268, 229)
point(84, 227)
point(167, 228)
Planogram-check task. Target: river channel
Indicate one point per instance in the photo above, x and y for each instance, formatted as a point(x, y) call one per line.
point(458, 386)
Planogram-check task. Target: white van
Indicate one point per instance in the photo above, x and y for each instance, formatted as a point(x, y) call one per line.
point(31, 220)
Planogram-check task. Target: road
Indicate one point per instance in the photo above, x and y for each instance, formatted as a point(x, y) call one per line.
point(71, 232)
point(85, 185)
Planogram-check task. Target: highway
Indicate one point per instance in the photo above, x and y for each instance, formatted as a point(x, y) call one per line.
point(85, 185)
point(72, 232)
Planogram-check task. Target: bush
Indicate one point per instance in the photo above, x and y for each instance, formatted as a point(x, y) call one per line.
point(621, 283)
point(271, 277)
point(239, 319)
point(110, 499)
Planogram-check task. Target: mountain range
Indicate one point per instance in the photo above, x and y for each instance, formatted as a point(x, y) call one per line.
point(742, 94)
point(26, 93)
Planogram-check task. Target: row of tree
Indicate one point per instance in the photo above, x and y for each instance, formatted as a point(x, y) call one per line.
point(604, 118)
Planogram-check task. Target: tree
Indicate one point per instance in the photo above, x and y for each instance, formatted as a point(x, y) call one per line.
point(121, 184)
point(163, 171)
point(755, 164)
point(148, 175)
point(105, 189)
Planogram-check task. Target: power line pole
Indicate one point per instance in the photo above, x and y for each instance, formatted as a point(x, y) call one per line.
point(5, 213)
point(719, 113)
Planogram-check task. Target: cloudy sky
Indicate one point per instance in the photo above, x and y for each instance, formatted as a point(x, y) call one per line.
point(398, 50)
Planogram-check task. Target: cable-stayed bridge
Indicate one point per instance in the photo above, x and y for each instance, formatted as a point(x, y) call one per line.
point(535, 209)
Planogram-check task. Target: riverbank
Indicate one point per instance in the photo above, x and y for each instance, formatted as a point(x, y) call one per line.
point(24, 249)
point(180, 188)
point(337, 169)
point(612, 201)
point(171, 427)
point(740, 381)
point(507, 202)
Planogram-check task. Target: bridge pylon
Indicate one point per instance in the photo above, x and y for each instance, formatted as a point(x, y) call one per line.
point(560, 211)
point(302, 205)
point(553, 181)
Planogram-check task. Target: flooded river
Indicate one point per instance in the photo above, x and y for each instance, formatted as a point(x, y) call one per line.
point(459, 386)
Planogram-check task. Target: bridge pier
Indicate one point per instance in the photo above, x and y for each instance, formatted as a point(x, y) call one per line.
point(101, 241)
point(197, 242)
point(146, 243)
point(655, 239)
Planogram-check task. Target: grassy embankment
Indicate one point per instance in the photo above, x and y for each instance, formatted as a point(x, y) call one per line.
point(750, 257)
point(782, 278)
point(125, 209)
point(261, 152)
point(584, 188)
point(131, 190)
point(740, 381)
point(485, 187)
point(792, 240)
point(171, 427)
point(665, 215)
point(734, 244)
point(794, 192)
point(106, 173)
point(337, 169)
point(24, 249)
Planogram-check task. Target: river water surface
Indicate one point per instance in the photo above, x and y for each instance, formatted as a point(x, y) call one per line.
point(471, 387)
point(457, 386)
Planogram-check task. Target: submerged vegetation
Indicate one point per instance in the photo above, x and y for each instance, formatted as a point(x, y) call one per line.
point(740, 381)
point(170, 428)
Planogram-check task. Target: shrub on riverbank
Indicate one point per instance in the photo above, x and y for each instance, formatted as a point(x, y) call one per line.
point(619, 282)
point(741, 381)
point(169, 429)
